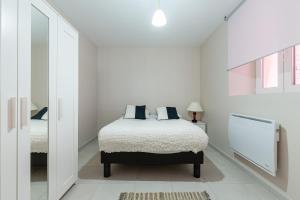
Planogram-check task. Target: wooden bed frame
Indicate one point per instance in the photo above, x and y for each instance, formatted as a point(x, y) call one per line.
point(151, 159)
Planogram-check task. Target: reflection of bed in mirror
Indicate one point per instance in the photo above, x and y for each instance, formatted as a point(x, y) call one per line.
point(40, 51)
point(39, 149)
point(39, 136)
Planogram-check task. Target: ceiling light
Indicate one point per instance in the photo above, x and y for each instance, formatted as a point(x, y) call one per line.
point(159, 19)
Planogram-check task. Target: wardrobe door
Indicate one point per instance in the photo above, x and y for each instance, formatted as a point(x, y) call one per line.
point(24, 52)
point(67, 133)
point(44, 74)
point(8, 99)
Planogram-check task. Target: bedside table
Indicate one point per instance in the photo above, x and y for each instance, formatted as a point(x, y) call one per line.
point(202, 125)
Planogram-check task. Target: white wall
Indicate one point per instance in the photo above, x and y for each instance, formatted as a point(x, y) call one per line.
point(151, 76)
point(281, 107)
point(87, 90)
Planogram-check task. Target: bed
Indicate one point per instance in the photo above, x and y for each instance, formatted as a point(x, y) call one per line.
point(39, 136)
point(151, 141)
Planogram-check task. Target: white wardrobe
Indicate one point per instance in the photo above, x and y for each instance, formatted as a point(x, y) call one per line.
point(15, 100)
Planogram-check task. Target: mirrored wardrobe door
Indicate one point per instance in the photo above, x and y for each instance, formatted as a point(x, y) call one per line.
point(39, 123)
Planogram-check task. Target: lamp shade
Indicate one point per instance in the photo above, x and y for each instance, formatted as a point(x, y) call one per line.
point(33, 107)
point(195, 107)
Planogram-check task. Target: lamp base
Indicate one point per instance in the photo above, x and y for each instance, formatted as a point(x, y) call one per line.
point(194, 118)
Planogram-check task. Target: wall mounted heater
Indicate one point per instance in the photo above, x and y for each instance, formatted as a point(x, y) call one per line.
point(255, 139)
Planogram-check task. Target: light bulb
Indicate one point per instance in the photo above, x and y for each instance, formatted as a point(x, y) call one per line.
point(159, 18)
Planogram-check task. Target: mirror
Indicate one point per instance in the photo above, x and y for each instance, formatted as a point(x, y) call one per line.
point(39, 104)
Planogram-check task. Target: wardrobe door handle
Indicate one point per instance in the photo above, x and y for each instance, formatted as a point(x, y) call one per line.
point(11, 113)
point(23, 111)
point(59, 113)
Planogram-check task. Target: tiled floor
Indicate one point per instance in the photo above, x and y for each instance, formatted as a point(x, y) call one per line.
point(237, 184)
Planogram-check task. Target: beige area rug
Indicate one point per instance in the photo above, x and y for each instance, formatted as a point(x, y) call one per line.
point(94, 170)
point(165, 196)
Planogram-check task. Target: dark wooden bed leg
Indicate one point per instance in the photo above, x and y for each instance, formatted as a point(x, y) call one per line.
point(197, 169)
point(107, 170)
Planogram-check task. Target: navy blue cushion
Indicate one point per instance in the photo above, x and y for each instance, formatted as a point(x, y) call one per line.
point(140, 112)
point(172, 113)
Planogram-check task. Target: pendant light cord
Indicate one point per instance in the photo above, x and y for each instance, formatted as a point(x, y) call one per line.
point(158, 2)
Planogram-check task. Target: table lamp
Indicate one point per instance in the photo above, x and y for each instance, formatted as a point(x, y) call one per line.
point(195, 107)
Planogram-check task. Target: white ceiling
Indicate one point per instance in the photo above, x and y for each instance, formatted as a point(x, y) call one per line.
point(127, 23)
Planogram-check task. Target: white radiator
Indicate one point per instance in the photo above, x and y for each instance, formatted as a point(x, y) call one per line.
point(255, 139)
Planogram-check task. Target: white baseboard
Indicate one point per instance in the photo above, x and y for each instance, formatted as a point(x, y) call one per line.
point(87, 142)
point(270, 186)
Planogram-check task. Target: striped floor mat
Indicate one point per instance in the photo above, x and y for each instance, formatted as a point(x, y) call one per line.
point(165, 196)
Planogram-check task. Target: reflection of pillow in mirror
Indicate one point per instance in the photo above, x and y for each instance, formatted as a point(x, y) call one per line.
point(40, 114)
point(34, 107)
point(45, 116)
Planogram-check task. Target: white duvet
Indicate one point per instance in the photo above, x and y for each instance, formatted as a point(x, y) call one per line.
point(39, 136)
point(152, 136)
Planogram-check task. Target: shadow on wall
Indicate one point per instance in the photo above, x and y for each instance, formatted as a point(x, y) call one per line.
point(281, 179)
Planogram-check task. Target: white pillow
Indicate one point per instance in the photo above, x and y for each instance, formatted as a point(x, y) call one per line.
point(153, 116)
point(147, 113)
point(162, 113)
point(130, 112)
point(45, 116)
